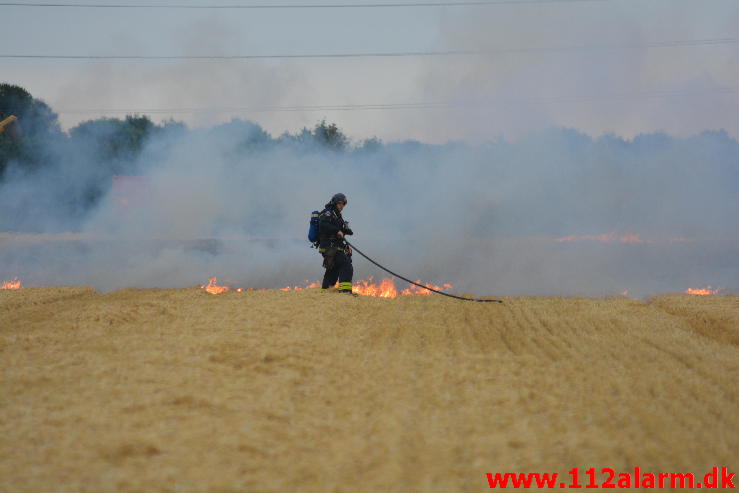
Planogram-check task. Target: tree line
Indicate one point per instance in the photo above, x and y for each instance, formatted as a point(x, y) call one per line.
point(115, 142)
point(556, 181)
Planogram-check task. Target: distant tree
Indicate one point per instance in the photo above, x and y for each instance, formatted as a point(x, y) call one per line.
point(244, 135)
point(36, 117)
point(38, 124)
point(370, 146)
point(112, 139)
point(329, 135)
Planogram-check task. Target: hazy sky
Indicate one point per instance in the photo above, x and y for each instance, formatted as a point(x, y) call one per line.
point(678, 89)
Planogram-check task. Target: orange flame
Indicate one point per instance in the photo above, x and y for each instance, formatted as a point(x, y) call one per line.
point(308, 285)
point(12, 284)
point(632, 238)
point(383, 289)
point(214, 288)
point(708, 290)
point(413, 289)
point(386, 288)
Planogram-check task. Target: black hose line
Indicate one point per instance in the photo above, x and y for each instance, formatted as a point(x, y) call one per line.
point(417, 284)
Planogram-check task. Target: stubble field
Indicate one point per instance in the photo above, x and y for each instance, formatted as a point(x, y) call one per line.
point(270, 391)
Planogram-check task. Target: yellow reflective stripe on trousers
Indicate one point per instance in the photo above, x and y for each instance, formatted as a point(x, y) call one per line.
point(346, 286)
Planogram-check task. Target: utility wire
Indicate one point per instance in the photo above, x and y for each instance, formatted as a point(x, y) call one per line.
point(267, 109)
point(411, 106)
point(462, 3)
point(391, 54)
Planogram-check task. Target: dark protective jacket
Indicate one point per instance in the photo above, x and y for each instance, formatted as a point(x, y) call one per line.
point(330, 222)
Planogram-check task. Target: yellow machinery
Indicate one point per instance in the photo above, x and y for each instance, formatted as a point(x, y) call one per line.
point(7, 122)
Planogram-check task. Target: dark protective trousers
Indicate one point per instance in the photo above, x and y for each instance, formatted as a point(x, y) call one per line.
point(341, 270)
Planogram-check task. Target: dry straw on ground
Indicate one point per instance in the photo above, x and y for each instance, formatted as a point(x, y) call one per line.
point(178, 390)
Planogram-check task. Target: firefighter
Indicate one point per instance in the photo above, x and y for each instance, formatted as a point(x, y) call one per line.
point(337, 256)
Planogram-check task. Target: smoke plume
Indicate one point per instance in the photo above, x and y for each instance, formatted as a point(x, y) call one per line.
point(555, 212)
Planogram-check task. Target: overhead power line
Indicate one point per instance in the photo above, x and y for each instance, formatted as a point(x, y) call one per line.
point(413, 105)
point(442, 3)
point(498, 51)
point(264, 109)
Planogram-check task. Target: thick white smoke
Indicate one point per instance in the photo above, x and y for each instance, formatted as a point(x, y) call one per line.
point(232, 202)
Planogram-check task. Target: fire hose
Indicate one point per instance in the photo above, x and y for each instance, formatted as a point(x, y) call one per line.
point(418, 284)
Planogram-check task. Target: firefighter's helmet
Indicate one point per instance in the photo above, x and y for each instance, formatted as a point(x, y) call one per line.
point(339, 197)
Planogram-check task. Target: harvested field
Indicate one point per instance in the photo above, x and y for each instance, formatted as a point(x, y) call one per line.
point(179, 390)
